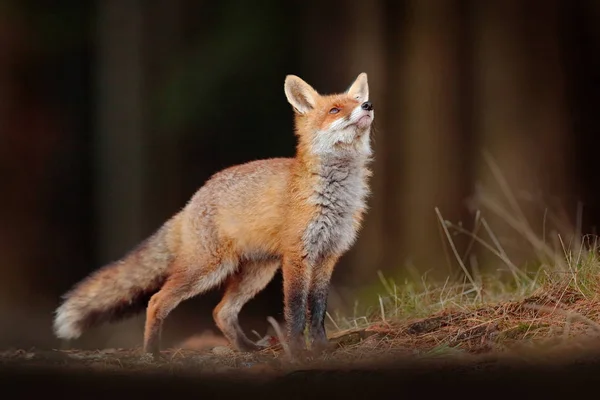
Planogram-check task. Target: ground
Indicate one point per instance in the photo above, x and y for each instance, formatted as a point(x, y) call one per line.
point(535, 337)
point(550, 325)
point(543, 314)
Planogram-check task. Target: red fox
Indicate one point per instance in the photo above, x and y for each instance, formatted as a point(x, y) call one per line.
point(299, 214)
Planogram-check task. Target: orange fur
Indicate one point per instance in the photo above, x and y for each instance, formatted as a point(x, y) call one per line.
point(243, 224)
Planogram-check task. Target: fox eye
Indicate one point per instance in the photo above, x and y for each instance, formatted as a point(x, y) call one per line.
point(334, 110)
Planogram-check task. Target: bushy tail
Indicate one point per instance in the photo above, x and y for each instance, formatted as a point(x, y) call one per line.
point(117, 290)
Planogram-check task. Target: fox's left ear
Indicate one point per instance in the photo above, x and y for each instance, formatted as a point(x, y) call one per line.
point(360, 88)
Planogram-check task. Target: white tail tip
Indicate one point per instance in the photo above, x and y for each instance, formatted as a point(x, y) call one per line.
point(65, 324)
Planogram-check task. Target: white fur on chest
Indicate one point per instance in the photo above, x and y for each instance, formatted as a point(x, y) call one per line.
point(340, 192)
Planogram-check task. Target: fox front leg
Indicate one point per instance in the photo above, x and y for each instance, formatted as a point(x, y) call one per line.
point(296, 283)
point(317, 304)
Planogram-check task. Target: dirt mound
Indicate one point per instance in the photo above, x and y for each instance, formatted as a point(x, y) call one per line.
point(549, 324)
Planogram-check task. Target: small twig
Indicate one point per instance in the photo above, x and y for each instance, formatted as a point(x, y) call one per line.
point(280, 336)
point(332, 321)
point(443, 301)
point(395, 301)
point(567, 327)
point(485, 244)
point(382, 310)
point(384, 282)
point(455, 251)
point(477, 224)
point(257, 334)
point(544, 225)
point(496, 242)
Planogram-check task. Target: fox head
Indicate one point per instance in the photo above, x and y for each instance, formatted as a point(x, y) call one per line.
point(332, 124)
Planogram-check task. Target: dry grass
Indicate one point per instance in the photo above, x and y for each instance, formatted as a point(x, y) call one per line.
point(542, 312)
point(487, 314)
point(554, 318)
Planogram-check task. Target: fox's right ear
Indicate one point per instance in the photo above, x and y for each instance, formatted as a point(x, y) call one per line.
point(300, 94)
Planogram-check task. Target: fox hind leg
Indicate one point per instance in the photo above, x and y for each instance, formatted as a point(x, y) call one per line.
point(184, 282)
point(251, 278)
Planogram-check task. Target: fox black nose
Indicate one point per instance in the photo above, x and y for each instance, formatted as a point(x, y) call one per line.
point(367, 105)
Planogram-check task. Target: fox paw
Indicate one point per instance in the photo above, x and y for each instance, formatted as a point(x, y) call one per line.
point(147, 358)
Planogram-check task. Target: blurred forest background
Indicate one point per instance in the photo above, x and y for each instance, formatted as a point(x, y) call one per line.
point(112, 113)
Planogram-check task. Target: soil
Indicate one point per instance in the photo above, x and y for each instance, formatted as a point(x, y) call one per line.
point(541, 331)
point(540, 328)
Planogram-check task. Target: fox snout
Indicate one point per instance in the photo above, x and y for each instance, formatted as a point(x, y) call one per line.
point(365, 115)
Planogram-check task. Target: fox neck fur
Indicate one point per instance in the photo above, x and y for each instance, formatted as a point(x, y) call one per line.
point(339, 193)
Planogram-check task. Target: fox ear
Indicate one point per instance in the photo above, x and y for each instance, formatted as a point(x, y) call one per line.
point(300, 94)
point(360, 88)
